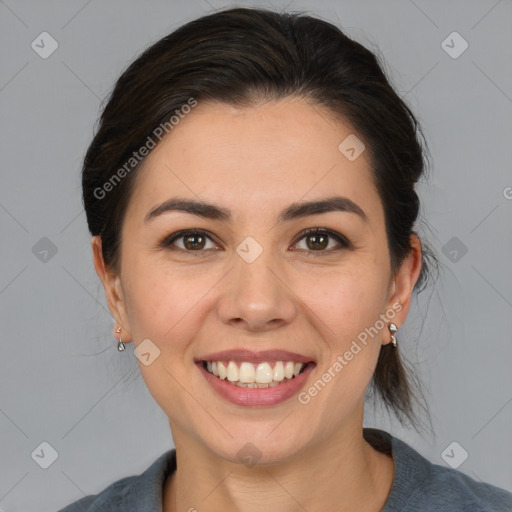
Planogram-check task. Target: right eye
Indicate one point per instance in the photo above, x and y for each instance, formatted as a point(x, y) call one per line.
point(193, 240)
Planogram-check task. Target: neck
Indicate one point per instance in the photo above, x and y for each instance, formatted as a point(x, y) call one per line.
point(343, 469)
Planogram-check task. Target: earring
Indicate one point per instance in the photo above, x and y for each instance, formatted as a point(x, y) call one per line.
point(120, 344)
point(392, 329)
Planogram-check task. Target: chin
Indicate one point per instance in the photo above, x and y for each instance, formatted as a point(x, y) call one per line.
point(258, 449)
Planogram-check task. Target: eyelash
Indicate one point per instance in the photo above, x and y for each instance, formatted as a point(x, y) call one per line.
point(343, 241)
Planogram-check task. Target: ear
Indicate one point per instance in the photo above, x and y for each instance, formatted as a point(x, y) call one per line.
point(402, 285)
point(113, 290)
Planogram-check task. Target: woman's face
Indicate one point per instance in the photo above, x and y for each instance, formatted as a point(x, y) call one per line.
point(255, 281)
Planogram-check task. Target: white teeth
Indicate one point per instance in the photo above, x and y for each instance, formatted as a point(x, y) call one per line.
point(223, 373)
point(278, 372)
point(232, 371)
point(288, 370)
point(251, 375)
point(251, 385)
point(247, 373)
point(264, 373)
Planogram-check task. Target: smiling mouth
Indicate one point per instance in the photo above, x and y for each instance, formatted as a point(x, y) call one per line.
point(249, 375)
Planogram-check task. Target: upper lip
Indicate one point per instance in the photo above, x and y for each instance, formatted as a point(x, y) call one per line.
point(241, 355)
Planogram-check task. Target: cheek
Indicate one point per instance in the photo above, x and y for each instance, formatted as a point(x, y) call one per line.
point(351, 306)
point(167, 303)
point(341, 380)
point(349, 301)
point(163, 303)
point(156, 298)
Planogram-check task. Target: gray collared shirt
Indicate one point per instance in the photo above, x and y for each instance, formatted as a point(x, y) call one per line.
point(418, 486)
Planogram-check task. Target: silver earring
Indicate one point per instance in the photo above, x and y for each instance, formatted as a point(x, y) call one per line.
point(393, 328)
point(120, 344)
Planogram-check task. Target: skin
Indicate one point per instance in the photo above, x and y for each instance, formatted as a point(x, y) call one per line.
point(256, 161)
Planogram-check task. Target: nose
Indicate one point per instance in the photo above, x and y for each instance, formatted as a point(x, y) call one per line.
point(257, 297)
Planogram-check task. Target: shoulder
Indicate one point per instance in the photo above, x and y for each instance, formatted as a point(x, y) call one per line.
point(114, 493)
point(140, 493)
point(419, 484)
point(449, 489)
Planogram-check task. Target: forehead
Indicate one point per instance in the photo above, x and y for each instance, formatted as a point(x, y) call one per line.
point(254, 157)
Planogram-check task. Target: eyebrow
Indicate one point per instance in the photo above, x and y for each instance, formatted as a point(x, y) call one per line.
point(294, 211)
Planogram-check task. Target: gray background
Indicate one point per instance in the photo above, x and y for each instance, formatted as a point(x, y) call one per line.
point(63, 381)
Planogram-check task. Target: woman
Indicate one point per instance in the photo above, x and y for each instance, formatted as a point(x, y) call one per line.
point(250, 192)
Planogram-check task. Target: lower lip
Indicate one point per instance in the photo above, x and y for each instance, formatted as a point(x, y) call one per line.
point(253, 397)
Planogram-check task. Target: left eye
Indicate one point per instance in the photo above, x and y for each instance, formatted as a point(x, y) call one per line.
point(317, 240)
point(320, 238)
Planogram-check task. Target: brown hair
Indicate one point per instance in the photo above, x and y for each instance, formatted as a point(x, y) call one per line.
point(238, 56)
